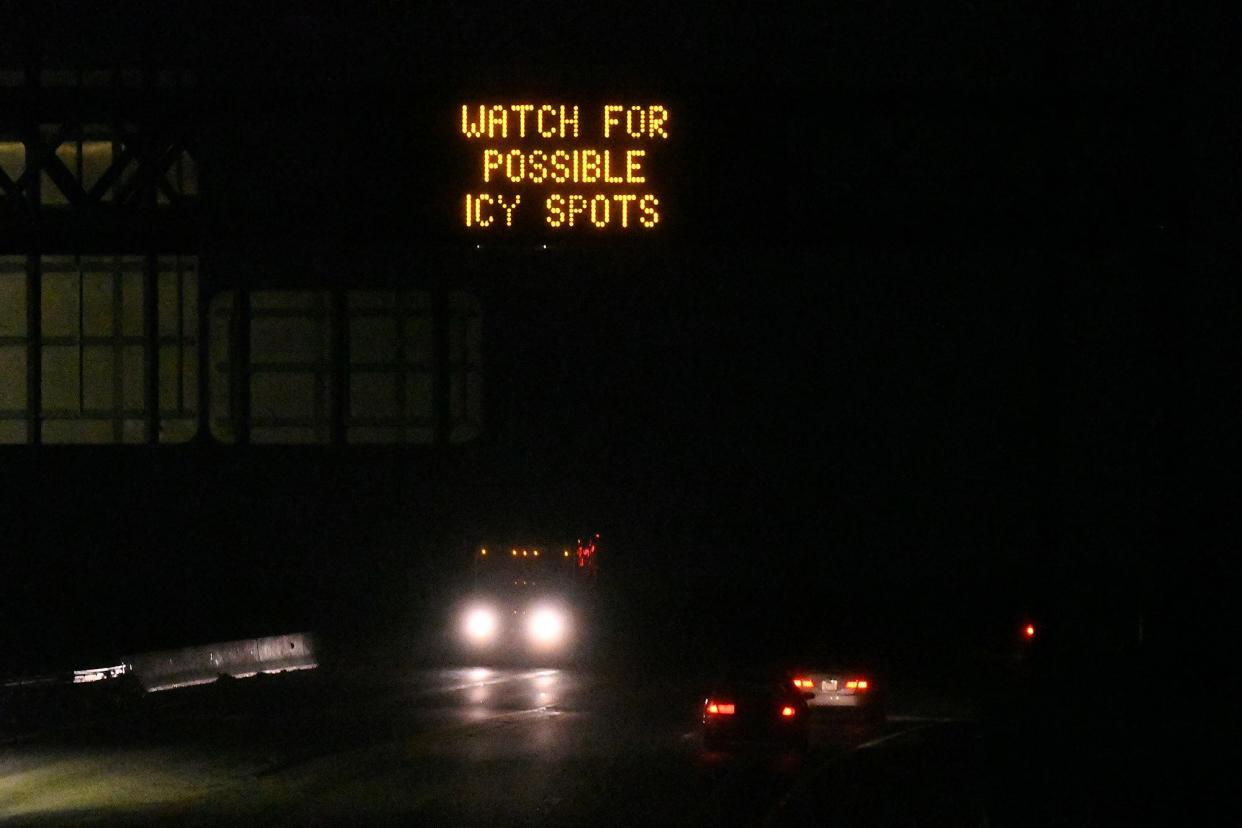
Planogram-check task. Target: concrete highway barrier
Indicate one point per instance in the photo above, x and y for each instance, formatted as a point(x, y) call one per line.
point(203, 663)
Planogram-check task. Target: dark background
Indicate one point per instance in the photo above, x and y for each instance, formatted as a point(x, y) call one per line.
point(914, 355)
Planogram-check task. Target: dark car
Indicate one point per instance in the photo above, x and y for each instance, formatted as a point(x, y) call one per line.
point(765, 711)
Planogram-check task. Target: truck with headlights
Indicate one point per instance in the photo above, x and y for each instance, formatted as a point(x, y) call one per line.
point(528, 603)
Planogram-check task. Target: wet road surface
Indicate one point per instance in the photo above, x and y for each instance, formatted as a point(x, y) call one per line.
point(467, 746)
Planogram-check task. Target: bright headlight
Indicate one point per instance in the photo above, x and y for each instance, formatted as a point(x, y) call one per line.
point(546, 626)
point(480, 624)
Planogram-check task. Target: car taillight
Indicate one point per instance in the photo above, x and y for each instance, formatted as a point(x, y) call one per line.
point(803, 683)
point(856, 684)
point(787, 712)
point(721, 708)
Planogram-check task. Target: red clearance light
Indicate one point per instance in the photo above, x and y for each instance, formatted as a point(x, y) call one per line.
point(721, 708)
point(787, 711)
point(803, 683)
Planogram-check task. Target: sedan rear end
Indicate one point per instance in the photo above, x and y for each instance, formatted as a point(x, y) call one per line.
point(848, 689)
point(769, 714)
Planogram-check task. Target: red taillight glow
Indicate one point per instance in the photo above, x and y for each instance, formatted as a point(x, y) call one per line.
point(721, 708)
point(1029, 631)
point(787, 711)
point(856, 684)
point(803, 683)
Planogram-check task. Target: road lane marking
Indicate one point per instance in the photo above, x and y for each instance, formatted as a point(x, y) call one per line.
point(486, 682)
point(889, 737)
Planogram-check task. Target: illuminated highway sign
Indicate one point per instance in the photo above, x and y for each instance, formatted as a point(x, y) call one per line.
point(563, 168)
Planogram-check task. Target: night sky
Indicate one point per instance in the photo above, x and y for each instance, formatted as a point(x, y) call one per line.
point(910, 340)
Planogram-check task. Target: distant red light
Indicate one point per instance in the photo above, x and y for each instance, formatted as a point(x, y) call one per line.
point(1029, 631)
point(585, 553)
point(787, 712)
point(721, 708)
